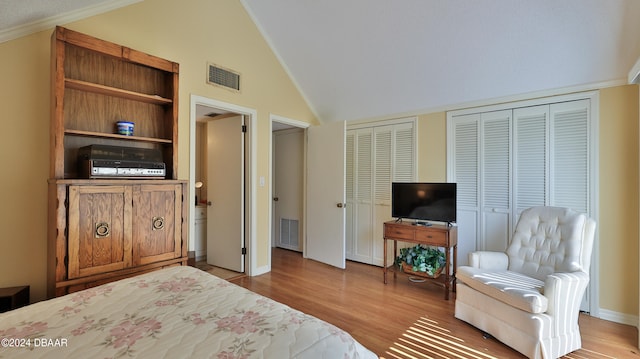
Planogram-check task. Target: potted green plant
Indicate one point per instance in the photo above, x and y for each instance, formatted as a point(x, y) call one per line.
point(421, 259)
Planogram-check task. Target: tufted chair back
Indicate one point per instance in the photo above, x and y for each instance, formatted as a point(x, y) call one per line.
point(549, 240)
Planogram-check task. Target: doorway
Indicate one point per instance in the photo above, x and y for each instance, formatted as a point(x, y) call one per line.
point(288, 157)
point(287, 200)
point(237, 234)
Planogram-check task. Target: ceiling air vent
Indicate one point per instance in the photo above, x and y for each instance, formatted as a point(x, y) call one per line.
point(223, 77)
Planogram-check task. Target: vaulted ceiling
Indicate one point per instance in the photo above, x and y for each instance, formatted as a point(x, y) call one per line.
point(370, 58)
point(361, 59)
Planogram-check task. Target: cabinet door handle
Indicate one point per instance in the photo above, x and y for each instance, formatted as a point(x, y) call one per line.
point(102, 230)
point(157, 223)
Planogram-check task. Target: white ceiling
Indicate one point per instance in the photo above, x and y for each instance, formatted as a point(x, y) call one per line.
point(370, 58)
point(22, 17)
point(360, 59)
point(14, 13)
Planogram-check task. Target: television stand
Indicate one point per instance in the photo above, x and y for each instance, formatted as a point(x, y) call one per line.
point(435, 235)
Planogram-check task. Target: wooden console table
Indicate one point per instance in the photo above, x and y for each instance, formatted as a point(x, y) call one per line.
point(434, 235)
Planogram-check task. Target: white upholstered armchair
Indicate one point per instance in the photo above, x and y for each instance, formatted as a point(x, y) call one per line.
point(529, 296)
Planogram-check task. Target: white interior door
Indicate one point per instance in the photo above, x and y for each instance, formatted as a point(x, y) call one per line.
point(326, 194)
point(225, 182)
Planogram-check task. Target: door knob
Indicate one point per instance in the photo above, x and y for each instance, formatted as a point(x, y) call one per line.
point(341, 205)
point(276, 199)
point(209, 203)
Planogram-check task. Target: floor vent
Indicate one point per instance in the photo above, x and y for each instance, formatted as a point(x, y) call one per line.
point(223, 77)
point(289, 233)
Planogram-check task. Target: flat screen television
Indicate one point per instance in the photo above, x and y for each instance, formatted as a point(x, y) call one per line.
point(424, 202)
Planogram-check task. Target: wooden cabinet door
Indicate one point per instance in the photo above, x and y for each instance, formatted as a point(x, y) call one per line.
point(157, 222)
point(99, 229)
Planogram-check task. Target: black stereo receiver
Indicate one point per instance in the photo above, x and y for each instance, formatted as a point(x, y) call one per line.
point(103, 161)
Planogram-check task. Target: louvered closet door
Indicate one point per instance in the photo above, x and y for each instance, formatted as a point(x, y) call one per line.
point(362, 244)
point(376, 156)
point(464, 156)
point(552, 156)
point(570, 161)
point(350, 183)
point(531, 153)
point(395, 153)
point(549, 161)
point(382, 165)
point(404, 154)
point(383, 174)
point(496, 180)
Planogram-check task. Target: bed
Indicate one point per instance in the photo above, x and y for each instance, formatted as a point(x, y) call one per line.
point(177, 312)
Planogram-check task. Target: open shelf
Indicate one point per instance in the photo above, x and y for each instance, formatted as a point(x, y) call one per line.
point(95, 84)
point(116, 92)
point(115, 136)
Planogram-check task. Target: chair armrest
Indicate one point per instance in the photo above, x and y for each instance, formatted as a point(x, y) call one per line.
point(564, 292)
point(489, 260)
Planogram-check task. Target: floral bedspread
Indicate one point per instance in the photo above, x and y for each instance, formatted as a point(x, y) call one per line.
point(178, 312)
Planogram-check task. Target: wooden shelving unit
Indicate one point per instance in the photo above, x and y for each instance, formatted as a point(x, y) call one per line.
point(95, 84)
point(103, 230)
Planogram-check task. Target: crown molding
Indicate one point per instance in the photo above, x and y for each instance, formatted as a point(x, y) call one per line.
point(501, 100)
point(50, 22)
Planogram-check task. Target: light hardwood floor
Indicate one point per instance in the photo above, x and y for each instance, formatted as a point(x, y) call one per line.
point(404, 319)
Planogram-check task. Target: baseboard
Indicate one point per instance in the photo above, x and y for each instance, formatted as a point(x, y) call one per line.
point(261, 270)
point(617, 317)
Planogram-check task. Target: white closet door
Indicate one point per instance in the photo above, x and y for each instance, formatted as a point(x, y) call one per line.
point(550, 161)
point(531, 154)
point(570, 163)
point(404, 153)
point(350, 184)
point(376, 155)
point(552, 156)
point(382, 165)
point(363, 244)
point(464, 157)
point(383, 172)
point(496, 180)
